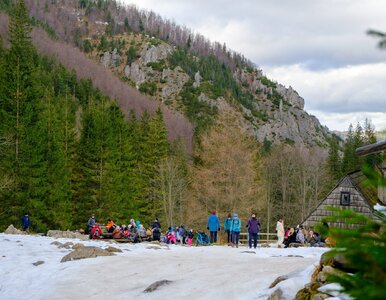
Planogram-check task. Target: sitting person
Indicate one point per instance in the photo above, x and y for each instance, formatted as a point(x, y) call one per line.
point(300, 235)
point(110, 226)
point(170, 236)
point(96, 232)
point(291, 237)
point(117, 233)
point(314, 240)
point(142, 232)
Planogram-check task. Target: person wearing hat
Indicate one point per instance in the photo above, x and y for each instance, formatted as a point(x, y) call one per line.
point(253, 226)
point(213, 226)
point(90, 223)
point(25, 222)
point(235, 229)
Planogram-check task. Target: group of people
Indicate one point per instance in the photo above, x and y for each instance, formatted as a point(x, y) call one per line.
point(232, 227)
point(298, 235)
point(135, 231)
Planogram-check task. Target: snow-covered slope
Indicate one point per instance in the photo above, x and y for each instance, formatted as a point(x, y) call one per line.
point(214, 272)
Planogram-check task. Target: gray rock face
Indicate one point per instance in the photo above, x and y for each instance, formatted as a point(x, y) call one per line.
point(106, 59)
point(175, 81)
point(115, 58)
point(290, 95)
point(111, 58)
point(136, 73)
point(197, 80)
point(153, 53)
point(86, 252)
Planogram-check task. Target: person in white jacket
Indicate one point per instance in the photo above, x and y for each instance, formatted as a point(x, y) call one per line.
point(280, 232)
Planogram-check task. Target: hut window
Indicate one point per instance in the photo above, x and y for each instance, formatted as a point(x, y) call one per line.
point(345, 198)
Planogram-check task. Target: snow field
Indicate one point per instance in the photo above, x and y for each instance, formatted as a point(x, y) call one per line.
point(214, 272)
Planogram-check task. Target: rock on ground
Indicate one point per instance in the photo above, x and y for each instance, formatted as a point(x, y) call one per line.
point(67, 234)
point(154, 286)
point(12, 230)
point(86, 252)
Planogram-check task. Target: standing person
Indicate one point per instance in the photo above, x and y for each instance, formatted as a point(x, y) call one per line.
point(235, 229)
point(90, 223)
point(25, 222)
point(280, 232)
point(156, 224)
point(253, 226)
point(227, 228)
point(213, 226)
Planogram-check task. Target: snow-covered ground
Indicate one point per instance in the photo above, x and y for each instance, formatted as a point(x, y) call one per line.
point(214, 272)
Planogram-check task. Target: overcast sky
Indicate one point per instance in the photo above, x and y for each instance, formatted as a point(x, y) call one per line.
point(320, 48)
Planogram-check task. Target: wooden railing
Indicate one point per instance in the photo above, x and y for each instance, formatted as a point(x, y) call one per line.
point(263, 237)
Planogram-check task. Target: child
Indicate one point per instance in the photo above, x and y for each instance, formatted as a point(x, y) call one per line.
point(171, 236)
point(190, 237)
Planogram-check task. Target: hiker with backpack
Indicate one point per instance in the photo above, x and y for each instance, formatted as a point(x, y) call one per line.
point(253, 226)
point(227, 228)
point(213, 226)
point(235, 229)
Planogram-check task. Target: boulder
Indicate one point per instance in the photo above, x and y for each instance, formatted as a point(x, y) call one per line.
point(38, 263)
point(276, 295)
point(154, 286)
point(320, 296)
point(67, 234)
point(326, 272)
point(12, 230)
point(86, 252)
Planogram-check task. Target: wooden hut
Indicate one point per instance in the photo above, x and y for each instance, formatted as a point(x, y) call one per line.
point(353, 192)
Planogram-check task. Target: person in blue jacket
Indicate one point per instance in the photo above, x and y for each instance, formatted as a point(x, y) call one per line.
point(227, 228)
point(25, 222)
point(213, 226)
point(235, 229)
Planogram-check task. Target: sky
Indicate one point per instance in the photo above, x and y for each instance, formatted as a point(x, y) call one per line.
point(320, 48)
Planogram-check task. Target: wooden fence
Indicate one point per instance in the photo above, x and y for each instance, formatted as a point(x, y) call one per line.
point(263, 238)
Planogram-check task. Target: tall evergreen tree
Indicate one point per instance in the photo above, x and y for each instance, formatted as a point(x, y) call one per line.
point(334, 162)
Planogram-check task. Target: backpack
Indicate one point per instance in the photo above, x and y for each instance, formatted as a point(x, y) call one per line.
point(236, 223)
point(96, 232)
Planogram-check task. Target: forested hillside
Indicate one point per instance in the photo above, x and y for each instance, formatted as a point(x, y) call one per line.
point(69, 150)
point(66, 149)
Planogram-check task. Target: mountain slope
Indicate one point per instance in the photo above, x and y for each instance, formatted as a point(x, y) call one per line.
point(127, 97)
point(187, 72)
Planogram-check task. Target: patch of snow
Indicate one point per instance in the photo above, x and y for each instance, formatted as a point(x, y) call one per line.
point(334, 289)
point(214, 272)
